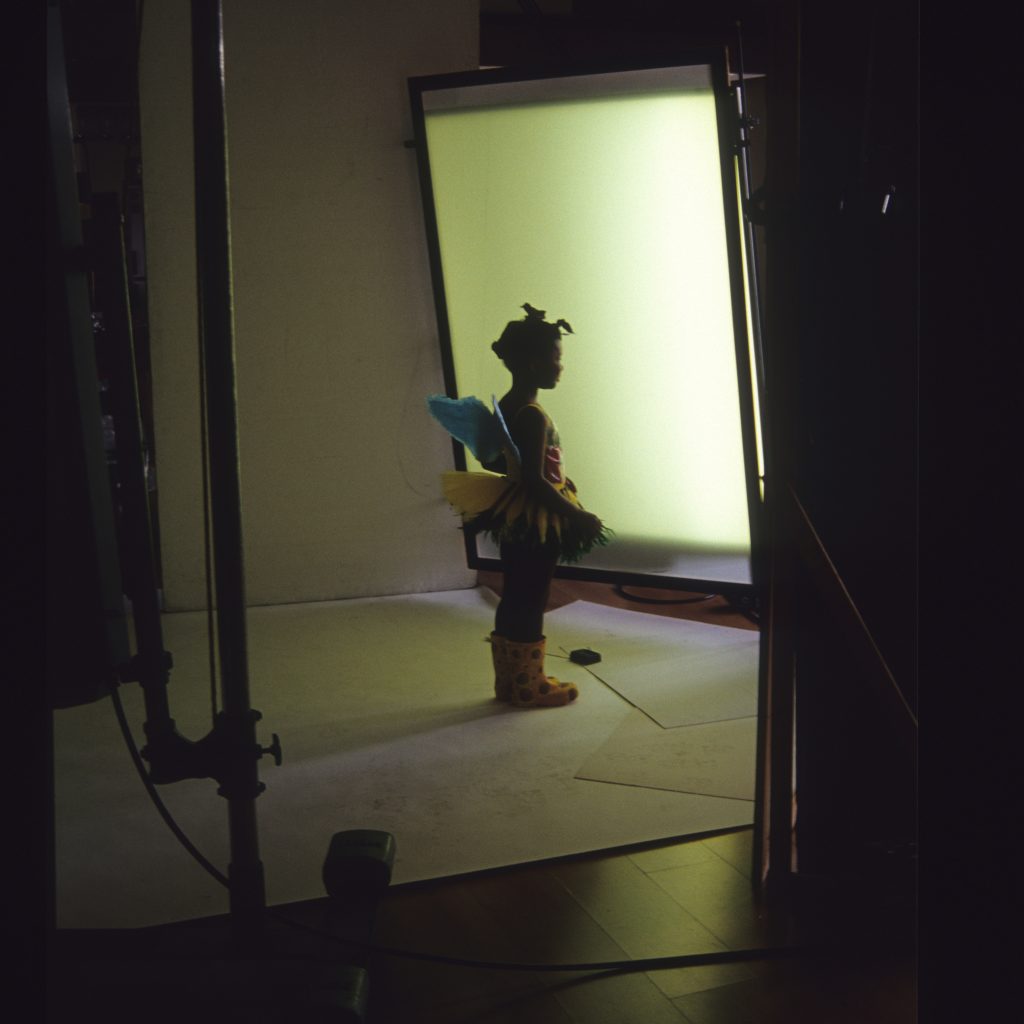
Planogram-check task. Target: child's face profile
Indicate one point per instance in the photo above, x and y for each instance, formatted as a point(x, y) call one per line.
point(549, 367)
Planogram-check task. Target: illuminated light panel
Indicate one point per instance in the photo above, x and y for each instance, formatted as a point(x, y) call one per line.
point(607, 212)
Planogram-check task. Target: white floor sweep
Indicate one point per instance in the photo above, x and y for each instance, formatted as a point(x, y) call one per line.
point(387, 720)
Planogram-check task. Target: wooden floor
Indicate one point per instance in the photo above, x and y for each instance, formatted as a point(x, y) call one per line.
point(690, 897)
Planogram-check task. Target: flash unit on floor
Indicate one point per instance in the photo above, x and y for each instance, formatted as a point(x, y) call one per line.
point(359, 863)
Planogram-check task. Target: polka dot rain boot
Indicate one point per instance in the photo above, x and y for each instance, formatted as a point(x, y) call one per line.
point(531, 688)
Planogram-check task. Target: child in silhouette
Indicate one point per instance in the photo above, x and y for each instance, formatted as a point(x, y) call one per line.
point(528, 505)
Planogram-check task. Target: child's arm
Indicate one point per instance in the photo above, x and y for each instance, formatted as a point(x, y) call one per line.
point(529, 431)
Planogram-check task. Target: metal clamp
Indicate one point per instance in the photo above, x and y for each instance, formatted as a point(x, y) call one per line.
point(274, 749)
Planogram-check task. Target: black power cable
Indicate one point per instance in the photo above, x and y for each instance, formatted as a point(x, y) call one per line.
point(749, 612)
point(654, 963)
point(617, 966)
point(621, 591)
point(155, 796)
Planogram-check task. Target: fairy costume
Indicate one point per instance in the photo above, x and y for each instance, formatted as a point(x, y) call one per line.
point(534, 515)
point(495, 501)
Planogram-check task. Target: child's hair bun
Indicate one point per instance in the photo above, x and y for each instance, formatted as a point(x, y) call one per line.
point(521, 337)
point(536, 316)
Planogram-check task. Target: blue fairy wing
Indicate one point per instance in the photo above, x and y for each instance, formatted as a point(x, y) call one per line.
point(506, 437)
point(469, 421)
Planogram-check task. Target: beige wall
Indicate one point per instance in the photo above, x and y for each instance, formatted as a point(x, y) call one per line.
point(336, 341)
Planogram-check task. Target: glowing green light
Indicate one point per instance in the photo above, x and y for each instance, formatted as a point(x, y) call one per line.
point(608, 212)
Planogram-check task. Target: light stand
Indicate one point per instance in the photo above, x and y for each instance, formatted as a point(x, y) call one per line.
point(234, 960)
point(236, 725)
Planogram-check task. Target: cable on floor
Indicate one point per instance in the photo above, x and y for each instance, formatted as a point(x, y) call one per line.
point(621, 966)
point(749, 613)
point(654, 963)
point(622, 592)
point(161, 807)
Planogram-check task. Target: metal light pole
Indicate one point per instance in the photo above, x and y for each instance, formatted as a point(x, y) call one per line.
point(236, 724)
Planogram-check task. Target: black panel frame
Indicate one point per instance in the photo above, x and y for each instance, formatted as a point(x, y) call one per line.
point(730, 143)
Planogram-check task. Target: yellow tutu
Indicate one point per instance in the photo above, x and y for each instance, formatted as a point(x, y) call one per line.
point(501, 506)
point(498, 504)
